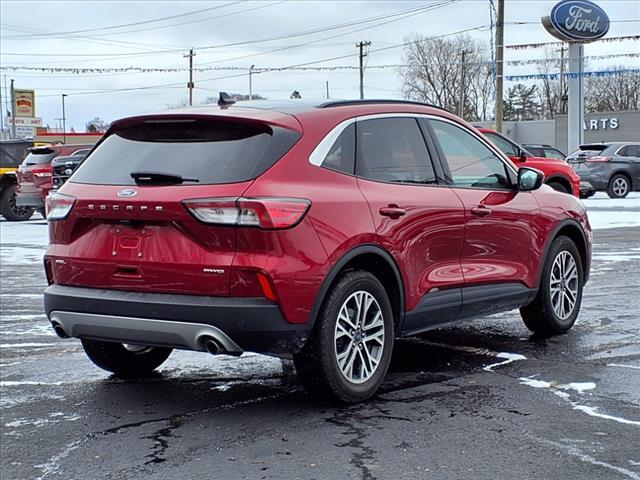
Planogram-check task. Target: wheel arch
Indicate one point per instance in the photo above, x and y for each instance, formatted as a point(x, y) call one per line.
point(572, 229)
point(371, 258)
point(7, 179)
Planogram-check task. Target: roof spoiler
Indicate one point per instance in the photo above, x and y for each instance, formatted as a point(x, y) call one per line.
point(225, 100)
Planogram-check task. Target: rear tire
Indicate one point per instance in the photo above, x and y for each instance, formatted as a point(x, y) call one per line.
point(557, 304)
point(349, 352)
point(125, 361)
point(558, 187)
point(619, 186)
point(8, 208)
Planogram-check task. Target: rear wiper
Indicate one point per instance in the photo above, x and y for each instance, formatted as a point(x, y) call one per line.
point(160, 178)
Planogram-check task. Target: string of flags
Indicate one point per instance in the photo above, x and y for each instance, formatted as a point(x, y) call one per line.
point(81, 71)
point(556, 76)
point(524, 46)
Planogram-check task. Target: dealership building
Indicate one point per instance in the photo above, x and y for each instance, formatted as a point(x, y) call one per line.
point(597, 127)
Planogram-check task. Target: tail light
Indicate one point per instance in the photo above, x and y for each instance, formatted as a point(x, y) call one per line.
point(58, 206)
point(43, 171)
point(267, 213)
point(598, 159)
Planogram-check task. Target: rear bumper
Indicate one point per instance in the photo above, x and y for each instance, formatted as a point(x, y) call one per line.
point(30, 200)
point(177, 321)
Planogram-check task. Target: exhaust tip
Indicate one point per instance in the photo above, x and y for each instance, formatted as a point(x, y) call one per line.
point(59, 330)
point(212, 346)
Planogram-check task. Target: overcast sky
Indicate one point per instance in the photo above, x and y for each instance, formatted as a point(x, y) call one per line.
point(90, 34)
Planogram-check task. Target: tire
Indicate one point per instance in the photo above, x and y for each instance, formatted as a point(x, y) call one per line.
point(619, 186)
point(125, 361)
point(317, 364)
point(8, 207)
point(558, 187)
point(551, 312)
point(584, 196)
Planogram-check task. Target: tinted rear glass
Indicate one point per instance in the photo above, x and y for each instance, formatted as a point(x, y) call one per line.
point(40, 156)
point(587, 151)
point(211, 151)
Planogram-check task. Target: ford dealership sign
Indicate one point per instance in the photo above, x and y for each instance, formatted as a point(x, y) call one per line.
point(577, 21)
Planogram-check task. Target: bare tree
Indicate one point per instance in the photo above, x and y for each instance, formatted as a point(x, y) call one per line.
point(613, 93)
point(433, 70)
point(553, 92)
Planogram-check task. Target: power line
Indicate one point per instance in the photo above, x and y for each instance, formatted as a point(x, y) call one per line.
point(171, 17)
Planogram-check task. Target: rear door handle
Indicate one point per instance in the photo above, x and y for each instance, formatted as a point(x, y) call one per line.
point(392, 211)
point(481, 211)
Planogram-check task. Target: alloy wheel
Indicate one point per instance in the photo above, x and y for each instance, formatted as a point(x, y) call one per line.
point(359, 337)
point(564, 285)
point(620, 186)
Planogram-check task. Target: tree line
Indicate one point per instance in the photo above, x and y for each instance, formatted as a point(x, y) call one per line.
point(435, 68)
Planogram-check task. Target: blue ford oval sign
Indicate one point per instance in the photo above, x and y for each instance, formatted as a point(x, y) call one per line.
point(577, 21)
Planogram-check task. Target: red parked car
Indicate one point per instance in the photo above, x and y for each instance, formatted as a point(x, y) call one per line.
point(318, 231)
point(35, 173)
point(558, 174)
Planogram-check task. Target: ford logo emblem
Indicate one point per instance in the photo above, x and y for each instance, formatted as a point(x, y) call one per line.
point(577, 21)
point(127, 192)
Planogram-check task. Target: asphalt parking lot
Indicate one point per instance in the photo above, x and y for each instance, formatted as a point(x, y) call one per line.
point(484, 400)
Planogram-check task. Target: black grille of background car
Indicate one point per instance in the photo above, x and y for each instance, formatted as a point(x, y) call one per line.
point(63, 168)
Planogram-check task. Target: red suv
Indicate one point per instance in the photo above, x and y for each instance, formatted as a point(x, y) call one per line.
point(558, 173)
point(318, 231)
point(35, 173)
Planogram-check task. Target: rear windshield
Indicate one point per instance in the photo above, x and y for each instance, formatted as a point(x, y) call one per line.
point(590, 150)
point(210, 152)
point(40, 156)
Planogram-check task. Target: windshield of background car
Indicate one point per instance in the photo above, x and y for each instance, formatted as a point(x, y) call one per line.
point(586, 151)
point(39, 156)
point(211, 151)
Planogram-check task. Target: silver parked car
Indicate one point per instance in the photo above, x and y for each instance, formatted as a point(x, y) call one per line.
point(612, 167)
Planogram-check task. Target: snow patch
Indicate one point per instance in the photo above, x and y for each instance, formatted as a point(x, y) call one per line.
point(578, 387)
point(592, 412)
point(532, 382)
point(509, 358)
point(633, 367)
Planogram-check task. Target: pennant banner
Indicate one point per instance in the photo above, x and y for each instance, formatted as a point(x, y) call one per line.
point(556, 76)
point(558, 44)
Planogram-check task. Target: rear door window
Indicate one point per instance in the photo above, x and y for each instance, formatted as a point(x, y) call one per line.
point(393, 150)
point(211, 152)
point(341, 155)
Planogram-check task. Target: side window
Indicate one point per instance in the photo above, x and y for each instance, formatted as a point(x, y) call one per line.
point(341, 155)
point(507, 147)
point(624, 152)
point(472, 164)
point(393, 150)
point(634, 151)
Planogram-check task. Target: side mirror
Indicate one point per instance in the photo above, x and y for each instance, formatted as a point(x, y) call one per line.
point(522, 155)
point(529, 179)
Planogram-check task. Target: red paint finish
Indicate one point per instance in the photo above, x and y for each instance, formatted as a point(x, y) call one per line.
point(553, 169)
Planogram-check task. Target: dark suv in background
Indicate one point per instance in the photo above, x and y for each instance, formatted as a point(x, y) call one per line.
point(318, 231)
point(544, 151)
point(36, 172)
point(612, 167)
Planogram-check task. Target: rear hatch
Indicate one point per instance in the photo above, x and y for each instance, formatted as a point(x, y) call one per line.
point(141, 196)
point(36, 168)
point(585, 152)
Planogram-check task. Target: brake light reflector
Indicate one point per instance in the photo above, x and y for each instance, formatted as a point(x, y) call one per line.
point(266, 286)
point(44, 171)
point(58, 206)
point(268, 213)
point(598, 159)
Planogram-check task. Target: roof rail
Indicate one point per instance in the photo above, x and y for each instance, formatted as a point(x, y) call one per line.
point(340, 103)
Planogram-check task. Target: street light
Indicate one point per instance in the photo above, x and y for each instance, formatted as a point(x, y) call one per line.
point(64, 126)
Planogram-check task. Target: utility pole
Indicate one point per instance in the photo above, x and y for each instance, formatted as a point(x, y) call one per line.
point(13, 111)
point(360, 46)
point(462, 72)
point(327, 85)
point(561, 96)
point(251, 82)
point(190, 85)
point(499, 65)
point(64, 121)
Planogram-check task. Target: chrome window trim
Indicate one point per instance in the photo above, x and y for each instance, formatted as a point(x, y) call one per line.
point(322, 149)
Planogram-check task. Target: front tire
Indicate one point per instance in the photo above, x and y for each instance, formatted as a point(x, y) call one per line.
point(619, 186)
point(557, 186)
point(349, 352)
point(8, 208)
point(557, 304)
point(125, 360)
